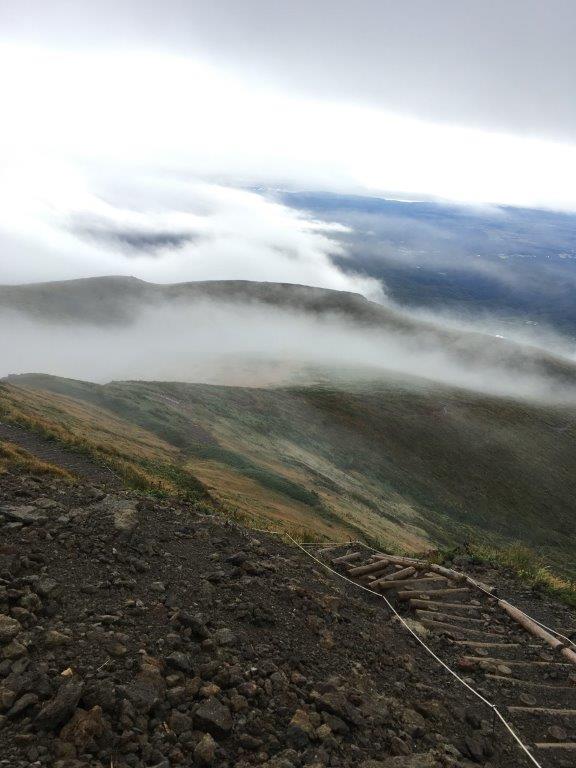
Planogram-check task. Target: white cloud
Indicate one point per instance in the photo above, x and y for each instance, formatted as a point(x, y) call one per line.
point(165, 231)
point(99, 150)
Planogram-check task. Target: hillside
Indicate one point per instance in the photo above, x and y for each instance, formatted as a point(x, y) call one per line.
point(116, 300)
point(408, 464)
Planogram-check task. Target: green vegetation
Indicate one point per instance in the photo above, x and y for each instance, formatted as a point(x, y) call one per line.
point(525, 565)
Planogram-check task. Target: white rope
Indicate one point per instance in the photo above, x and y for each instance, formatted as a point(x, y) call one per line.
point(494, 708)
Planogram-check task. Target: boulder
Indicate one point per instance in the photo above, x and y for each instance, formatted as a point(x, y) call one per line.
point(58, 710)
point(214, 717)
point(9, 628)
point(83, 727)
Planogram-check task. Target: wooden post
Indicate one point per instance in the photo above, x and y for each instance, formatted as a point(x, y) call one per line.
point(538, 631)
point(529, 625)
point(569, 654)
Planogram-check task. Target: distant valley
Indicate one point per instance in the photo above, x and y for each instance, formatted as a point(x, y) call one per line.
point(515, 264)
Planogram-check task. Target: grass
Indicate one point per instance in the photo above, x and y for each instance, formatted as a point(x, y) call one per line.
point(138, 458)
point(524, 565)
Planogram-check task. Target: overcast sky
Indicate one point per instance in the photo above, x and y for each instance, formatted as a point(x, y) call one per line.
point(465, 101)
point(501, 64)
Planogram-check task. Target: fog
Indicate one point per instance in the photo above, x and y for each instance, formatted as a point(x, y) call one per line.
point(251, 345)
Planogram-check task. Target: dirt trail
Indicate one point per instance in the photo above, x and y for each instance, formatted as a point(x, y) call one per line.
point(55, 453)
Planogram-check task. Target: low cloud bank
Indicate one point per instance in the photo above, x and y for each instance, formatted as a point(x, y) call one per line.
point(252, 345)
point(55, 226)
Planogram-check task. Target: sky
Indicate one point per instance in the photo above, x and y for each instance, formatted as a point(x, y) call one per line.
point(132, 130)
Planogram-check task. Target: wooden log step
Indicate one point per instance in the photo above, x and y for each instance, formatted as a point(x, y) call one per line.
point(548, 711)
point(530, 683)
point(436, 615)
point(511, 663)
point(389, 571)
point(404, 573)
point(349, 557)
point(380, 558)
point(412, 582)
point(441, 626)
point(474, 644)
point(417, 593)
point(362, 570)
point(457, 576)
point(448, 572)
point(567, 745)
point(445, 606)
point(400, 560)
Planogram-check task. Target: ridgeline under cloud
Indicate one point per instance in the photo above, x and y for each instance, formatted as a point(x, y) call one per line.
point(257, 334)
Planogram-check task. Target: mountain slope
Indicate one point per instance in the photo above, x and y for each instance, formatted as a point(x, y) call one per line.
point(390, 453)
point(410, 464)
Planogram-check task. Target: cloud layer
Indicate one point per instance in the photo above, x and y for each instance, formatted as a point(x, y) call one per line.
point(493, 65)
point(162, 230)
point(255, 345)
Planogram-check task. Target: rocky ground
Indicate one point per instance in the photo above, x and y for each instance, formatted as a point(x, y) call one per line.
point(136, 632)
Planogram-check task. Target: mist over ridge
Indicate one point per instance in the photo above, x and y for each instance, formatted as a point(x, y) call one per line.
point(256, 334)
